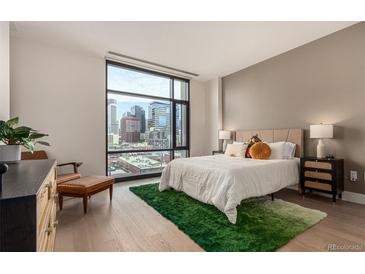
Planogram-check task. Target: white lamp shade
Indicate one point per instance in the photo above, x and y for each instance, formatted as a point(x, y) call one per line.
point(224, 135)
point(321, 131)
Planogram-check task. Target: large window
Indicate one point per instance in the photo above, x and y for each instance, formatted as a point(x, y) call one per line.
point(147, 120)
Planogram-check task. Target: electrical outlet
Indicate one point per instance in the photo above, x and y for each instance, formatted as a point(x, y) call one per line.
point(353, 175)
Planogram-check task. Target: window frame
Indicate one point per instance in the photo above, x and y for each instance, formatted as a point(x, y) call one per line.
point(170, 99)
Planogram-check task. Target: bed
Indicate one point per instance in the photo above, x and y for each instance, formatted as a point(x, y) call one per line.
point(225, 181)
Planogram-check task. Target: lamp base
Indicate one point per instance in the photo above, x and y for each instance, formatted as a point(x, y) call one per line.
point(224, 145)
point(321, 149)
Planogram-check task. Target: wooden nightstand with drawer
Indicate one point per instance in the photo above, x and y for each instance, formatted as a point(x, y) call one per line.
point(323, 175)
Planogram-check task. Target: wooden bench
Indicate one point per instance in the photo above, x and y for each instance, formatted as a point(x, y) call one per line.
point(84, 188)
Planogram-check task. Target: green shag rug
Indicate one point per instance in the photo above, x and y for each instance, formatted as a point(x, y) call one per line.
point(262, 224)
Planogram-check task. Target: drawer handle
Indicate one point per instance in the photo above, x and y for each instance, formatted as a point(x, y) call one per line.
point(48, 230)
point(49, 187)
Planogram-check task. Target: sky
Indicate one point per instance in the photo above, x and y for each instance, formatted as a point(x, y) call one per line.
point(123, 79)
point(137, 82)
point(133, 81)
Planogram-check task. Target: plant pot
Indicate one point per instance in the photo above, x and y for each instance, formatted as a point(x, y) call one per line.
point(10, 153)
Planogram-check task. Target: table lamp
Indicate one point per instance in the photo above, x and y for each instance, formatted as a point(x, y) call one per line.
point(224, 135)
point(320, 132)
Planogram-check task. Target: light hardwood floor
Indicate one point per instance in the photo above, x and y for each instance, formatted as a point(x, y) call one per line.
point(129, 224)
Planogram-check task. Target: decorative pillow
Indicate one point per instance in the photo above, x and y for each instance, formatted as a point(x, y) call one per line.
point(260, 151)
point(235, 150)
point(254, 139)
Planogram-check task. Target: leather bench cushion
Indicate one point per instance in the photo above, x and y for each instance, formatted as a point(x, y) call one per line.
point(85, 185)
point(67, 177)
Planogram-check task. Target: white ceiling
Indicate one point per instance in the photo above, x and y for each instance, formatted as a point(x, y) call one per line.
point(210, 49)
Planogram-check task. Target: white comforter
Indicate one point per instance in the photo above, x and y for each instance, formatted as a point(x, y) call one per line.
point(225, 181)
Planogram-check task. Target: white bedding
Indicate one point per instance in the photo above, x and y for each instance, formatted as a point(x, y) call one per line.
point(225, 181)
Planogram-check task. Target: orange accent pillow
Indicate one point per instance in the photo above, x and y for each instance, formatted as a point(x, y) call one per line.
point(261, 151)
point(254, 139)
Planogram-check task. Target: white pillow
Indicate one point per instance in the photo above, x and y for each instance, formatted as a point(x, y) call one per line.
point(282, 150)
point(290, 149)
point(236, 150)
point(238, 143)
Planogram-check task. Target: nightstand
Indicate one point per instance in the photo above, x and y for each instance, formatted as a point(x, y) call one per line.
point(324, 175)
point(217, 152)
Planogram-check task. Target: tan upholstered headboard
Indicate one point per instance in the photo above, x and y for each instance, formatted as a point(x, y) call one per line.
point(293, 135)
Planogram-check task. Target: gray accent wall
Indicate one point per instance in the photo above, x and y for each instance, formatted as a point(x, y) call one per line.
point(323, 81)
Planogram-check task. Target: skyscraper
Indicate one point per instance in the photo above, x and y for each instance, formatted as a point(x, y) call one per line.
point(112, 117)
point(138, 112)
point(159, 114)
point(159, 124)
point(130, 129)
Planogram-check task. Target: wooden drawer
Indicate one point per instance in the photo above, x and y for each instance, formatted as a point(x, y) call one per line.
point(42, 234)
point(45, 200)
point(51, 182)
point(42, 204)
point(52, 227)
point(48, 234)
point(51, 241)
point(318, 175)
point(316, 185)
point(319, 165)
point(46, 211)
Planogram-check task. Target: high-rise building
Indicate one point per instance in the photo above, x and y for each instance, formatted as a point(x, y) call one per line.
point(138, 112)
point(159, 114)
point(130, 129)
point(112, 116)
point(159, 125)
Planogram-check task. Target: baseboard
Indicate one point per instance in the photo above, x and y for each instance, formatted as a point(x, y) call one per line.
point(353, 197)
point(348, 196)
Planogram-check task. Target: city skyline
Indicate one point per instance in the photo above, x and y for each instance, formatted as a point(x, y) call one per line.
point(149, 125)
point(127, 102)
point(138, 123)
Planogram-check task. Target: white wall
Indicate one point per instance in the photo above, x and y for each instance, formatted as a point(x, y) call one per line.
point(198, 126)
point(62, 93)
point(213, 112)
point(4, 71)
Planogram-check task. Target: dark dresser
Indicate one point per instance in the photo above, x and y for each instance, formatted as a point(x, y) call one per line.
point(324, 175)
point(28, 206)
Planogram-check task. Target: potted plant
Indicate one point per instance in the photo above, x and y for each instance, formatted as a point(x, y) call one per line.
point(14, 137)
